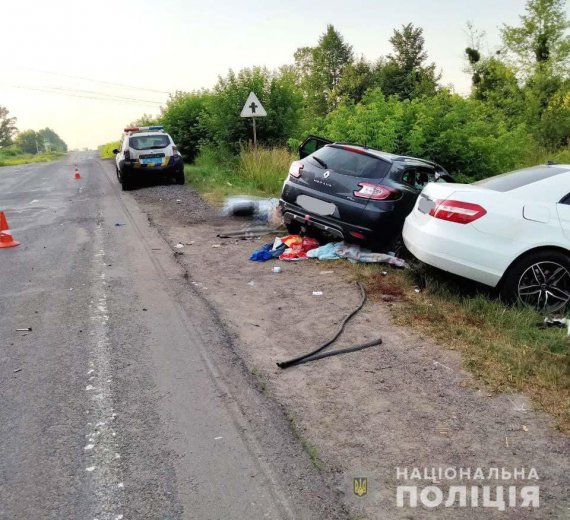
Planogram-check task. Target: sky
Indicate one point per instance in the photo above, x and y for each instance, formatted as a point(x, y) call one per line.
point(87, 69)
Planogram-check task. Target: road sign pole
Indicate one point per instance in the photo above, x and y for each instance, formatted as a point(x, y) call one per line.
point(254, 109)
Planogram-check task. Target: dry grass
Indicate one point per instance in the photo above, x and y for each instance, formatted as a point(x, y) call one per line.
point(265, 168)
point(502, 346)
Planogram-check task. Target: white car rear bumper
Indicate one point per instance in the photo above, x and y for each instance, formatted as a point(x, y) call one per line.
point(452, 248)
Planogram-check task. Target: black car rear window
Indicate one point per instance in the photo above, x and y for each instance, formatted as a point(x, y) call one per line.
point(148, 142)
point(519, 178)
point(349, 162)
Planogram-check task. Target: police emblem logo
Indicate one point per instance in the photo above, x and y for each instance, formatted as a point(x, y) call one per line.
point(326, 174)
point(360, 486)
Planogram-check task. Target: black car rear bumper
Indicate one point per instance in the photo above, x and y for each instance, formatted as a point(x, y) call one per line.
point(342, 230)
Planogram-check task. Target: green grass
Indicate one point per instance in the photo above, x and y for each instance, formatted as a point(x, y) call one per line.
point(106, 150)
point(26, 158)
point(258, 172)
point(502, 346)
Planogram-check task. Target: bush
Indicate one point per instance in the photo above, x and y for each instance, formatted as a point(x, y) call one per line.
point(183, 118)
point(277, 92)
point(463, 135)
point(106, 150)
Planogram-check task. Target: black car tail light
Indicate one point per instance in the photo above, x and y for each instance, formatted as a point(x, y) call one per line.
point(376, 192)
point(295, 169)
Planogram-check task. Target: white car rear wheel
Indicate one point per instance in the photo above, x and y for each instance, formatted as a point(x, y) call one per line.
point(540, 280)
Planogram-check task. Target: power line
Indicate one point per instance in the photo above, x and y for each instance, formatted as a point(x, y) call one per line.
point(98, 93)
point(72, 94)
point(96, 80)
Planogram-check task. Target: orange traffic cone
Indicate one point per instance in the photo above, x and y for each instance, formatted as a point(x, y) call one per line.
point(6, 239)
point(77, 175)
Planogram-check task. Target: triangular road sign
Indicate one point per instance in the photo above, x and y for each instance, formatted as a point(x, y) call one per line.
point(253, 107)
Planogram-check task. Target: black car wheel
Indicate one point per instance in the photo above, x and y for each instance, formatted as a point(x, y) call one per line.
point(127, 183)
point(119, 175)
point(539, 280)
point(179, 178)
point(293, 228)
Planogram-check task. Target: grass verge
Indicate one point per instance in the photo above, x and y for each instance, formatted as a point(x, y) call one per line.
point(260, 172)
point(106, 150)
point(502, 346)
point(27, 158)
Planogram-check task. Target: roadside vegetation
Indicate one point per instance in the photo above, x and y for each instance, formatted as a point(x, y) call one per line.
point(13, 158)
point(106, 150)
point(504, 347)
point(517, 114)
point(28, 146)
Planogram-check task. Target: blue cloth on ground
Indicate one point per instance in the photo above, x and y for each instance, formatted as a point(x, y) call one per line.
point(266, 252)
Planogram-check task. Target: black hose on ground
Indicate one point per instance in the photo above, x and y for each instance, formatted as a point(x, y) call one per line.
point(341, 351)
point(305, 357)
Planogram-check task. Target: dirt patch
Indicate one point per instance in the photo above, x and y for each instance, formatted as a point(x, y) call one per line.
point(406, 403)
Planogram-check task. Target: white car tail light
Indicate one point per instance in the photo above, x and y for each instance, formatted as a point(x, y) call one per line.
point(457, 211)
point(295, 169)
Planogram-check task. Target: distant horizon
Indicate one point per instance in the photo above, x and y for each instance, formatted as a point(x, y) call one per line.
point(87, 81)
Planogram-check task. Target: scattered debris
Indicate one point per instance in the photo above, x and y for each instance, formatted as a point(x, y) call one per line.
point(216, 245)
point(298, 247)
point(178, 201)
point(28, 329)
point(317, 293)
point(525, 428)
point(268, 251)
point(248, 232)
point(276, 269)
point(556, 322)
point(416, 290)
point(251, 283)
point(264, 210)
point(17, 370)
point(217, 438)
point(119, 224)
point(326, 272)
point(180, 245)
point(354, 253)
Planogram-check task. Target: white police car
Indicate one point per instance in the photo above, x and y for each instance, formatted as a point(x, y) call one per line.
point(147, 151)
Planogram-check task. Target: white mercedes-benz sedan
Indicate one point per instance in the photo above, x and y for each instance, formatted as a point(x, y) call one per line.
point(511, 232)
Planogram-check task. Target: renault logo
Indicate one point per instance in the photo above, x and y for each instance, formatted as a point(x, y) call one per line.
point(326, 174)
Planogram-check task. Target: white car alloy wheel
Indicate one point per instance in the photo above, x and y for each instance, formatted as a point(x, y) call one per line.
point(545, 286)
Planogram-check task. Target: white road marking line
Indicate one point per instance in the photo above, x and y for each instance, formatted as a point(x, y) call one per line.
point(102, 448)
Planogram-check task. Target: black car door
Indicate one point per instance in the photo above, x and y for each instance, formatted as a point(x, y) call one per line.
point(311, 144)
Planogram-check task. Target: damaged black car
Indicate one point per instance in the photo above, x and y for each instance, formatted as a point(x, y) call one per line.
point(355, 193)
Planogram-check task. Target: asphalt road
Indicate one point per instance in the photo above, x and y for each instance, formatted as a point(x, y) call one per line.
point(116, 404)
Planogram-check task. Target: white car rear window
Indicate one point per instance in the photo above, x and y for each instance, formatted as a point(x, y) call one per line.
point(519, 178)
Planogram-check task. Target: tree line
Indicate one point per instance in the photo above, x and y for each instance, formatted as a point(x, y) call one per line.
point(518, 108)
point(13, 142)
